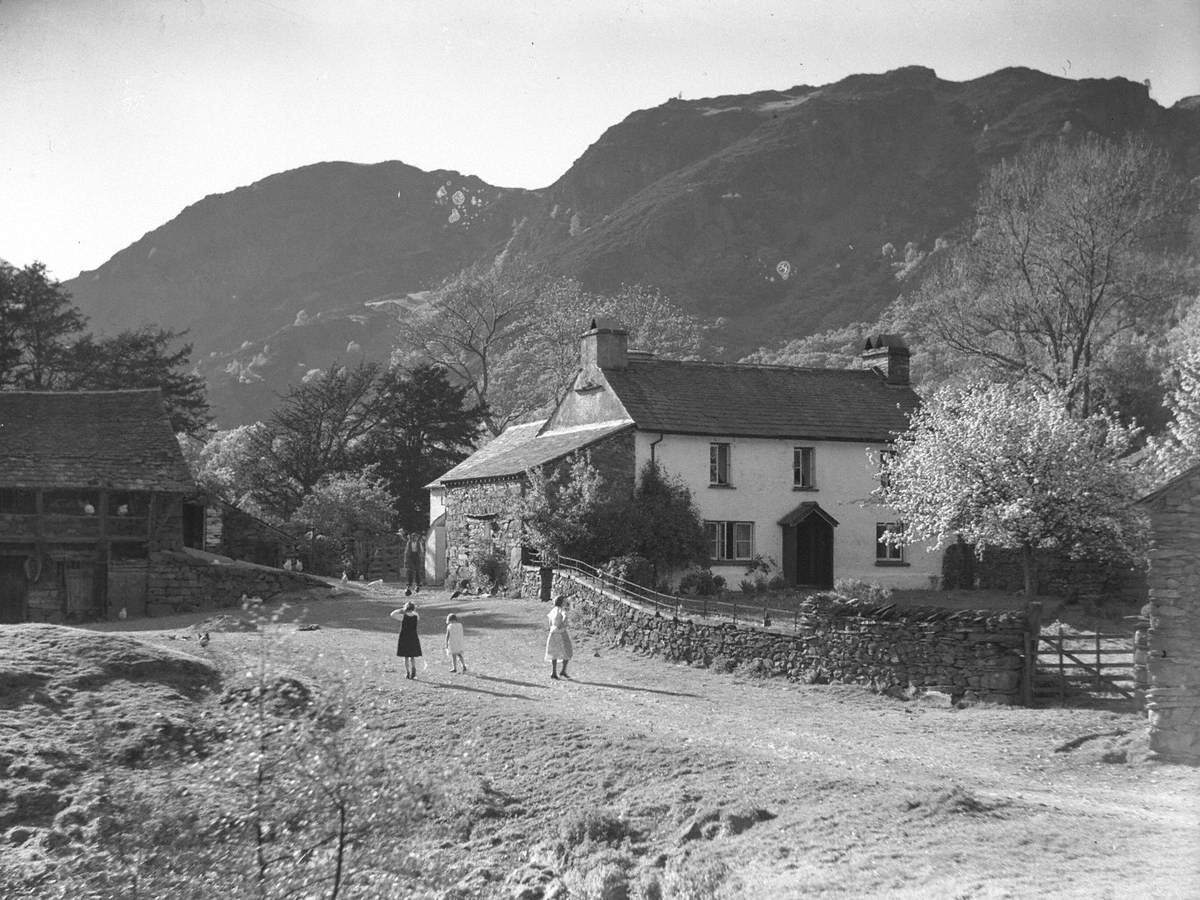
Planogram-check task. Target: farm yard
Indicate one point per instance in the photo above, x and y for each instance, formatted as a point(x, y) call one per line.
point(640, 778)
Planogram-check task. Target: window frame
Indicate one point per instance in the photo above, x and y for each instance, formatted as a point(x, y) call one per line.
point(888, 554)
point(715, 450)
point(804, 468)
point(727, 535)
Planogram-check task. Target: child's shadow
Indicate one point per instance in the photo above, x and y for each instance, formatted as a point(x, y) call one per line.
point(541, 687)
point(475, 690)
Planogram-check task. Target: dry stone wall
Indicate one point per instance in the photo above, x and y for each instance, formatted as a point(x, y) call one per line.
point(481, 520)
point(971, 655)
point(178, 582)
point(1173, 639)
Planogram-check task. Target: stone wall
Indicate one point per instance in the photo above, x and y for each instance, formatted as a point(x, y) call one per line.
point(1173, 639)
point(971, 655)
point(232, 532)
point(179, 582)
point(481, 519)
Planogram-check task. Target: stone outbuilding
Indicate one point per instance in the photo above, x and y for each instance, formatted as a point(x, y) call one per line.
point(1173, 640)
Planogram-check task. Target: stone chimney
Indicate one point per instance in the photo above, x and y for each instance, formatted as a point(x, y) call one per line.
point(604, 346)
point(888, 355)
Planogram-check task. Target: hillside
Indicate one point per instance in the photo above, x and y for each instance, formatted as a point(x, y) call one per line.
point(768, 208)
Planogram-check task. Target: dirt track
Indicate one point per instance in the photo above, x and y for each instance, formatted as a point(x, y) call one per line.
point(869, 796)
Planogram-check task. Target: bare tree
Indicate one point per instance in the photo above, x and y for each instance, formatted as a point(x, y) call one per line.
point(1067, 255)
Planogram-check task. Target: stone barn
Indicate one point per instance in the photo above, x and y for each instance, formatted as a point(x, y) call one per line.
point(1173, 699)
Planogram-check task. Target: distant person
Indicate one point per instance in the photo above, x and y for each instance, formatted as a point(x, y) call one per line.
point(558, 642)
point(454, 642)
point(414, 561)
point(408, 644)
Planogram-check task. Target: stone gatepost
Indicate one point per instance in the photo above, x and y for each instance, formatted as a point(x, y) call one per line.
point(1173, 639)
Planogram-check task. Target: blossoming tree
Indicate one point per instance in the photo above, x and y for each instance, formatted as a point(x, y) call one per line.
point(1006, 465)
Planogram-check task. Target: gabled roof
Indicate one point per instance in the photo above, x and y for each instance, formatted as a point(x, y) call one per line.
point(803, 511)
point(112, 439)
point(761, 401)
point(522, 447)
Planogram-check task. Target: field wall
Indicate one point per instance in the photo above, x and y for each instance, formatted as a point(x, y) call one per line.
point(971, 655)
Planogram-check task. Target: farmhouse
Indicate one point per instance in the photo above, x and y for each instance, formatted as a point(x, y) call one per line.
point(781, 461)
point(91, 483)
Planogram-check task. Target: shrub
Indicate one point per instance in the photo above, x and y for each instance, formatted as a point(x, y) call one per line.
point(760, 585)
point(747, 586)
point(777, 582)
point(719, 582)
point(857, 589)
point(631, 567)
point(698, 581)
point(597, 826)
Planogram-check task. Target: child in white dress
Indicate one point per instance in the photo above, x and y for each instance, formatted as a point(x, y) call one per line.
point(454, 642)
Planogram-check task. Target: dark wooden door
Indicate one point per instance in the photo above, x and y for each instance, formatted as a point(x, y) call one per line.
point(12, 589)
point(814, 553)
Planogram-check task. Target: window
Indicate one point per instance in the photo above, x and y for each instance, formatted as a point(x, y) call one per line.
point(804, 467)
point(885, 457)
point(887, 554)
point(718, 464)
point(730, 540)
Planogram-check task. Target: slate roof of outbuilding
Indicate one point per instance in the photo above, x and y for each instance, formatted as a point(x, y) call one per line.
point(112, 439)
point(735, 400)
point(520, 447)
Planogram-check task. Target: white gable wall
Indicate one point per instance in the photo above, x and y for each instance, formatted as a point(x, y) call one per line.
point(762, 492)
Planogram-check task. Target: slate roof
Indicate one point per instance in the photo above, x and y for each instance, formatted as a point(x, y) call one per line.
point(113, 439)
point(737, 400)
point(521, 447)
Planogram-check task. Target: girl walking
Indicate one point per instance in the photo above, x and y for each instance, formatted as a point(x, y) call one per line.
point(558, 642)
point(454, 642)
point(408, 644)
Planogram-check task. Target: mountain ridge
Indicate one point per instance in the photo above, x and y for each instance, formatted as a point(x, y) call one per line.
point(769, 209)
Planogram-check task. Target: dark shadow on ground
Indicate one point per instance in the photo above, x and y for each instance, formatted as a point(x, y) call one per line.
point(512, 681)
point(630, 687)
point(475, 690)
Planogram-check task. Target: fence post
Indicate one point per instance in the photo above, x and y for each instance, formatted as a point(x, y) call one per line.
point(1099, 679)
point(1033, 628)
point(1062, 672)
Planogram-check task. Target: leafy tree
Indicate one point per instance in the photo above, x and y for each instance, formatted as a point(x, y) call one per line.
point(349, 511)
point(43, 347)
point(320, 428)
point(426, 427)
point(141, 357)
point(37, 324)
point(560, 505)
point(666, 526)
point(1010, 466)
point(1064, 260)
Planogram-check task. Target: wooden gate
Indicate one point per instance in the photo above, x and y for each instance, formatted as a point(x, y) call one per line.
point(1089, 662)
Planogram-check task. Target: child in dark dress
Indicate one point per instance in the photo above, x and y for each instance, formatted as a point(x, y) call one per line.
point(408, 644)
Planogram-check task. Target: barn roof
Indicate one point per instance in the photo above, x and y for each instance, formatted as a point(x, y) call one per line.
point(111, 439)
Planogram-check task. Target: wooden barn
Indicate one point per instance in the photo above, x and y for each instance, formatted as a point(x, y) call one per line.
point(91, 483)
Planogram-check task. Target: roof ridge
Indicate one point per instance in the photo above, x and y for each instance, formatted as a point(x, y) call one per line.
point(744, 365)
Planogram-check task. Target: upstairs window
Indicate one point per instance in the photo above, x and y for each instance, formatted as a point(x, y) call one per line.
point(885, 457)
point(730, 540)
point(804, 471)
point(886, 553)
point(718, 464)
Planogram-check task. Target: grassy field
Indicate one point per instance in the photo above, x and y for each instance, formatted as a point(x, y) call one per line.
point(639, 778)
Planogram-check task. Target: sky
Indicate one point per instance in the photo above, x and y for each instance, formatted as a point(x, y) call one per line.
point(117, 114)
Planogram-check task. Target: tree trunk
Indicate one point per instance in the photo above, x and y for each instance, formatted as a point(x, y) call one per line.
point(1029, 565)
